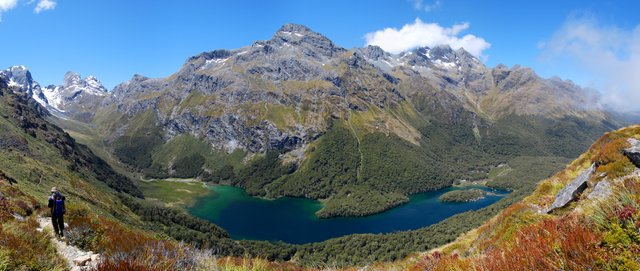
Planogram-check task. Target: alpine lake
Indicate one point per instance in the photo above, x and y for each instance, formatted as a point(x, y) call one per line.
point(293, 220)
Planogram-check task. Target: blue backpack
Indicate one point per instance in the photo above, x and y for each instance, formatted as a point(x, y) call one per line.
point(58, 206)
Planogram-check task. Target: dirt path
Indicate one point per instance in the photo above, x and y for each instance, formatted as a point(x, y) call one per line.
point(76, 258)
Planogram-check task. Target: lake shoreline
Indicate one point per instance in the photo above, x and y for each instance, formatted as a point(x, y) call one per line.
point(293, 220)
point(463, 184)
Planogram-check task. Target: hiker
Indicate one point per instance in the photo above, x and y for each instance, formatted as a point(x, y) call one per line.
point(56, 203)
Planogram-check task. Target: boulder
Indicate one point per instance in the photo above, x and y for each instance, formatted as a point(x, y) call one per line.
point(572, 190)
point(82, 260)
point(95, 257)
point(18, 217)
point(601, 190)
point(633, 152)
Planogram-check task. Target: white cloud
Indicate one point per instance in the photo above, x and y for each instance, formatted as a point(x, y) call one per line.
point(45, 5)
point(609, 55)
point(420, 5)
point(6, 5)
point(420, 34)
point(436, 5)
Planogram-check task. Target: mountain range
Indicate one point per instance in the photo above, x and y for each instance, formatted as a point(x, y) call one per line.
point(297, 115)
point(359, 129)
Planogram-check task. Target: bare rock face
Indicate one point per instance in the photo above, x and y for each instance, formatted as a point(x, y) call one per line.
point(633, 152)
point(571, 191)
point(601, 190)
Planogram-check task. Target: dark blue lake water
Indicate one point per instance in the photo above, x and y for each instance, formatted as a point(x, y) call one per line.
point(293, 220)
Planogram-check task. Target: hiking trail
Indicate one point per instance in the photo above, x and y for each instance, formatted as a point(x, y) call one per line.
point(77, 259)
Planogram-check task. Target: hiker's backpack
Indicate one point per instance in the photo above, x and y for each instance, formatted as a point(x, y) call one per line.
point(58, 206)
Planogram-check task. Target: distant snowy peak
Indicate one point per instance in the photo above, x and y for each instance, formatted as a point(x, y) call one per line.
point(19, 76)
point(74, 88)
point(89, 84)
point(439, 57)
point(94, 84)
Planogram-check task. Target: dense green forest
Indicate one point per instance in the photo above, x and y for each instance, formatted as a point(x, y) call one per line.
point(462, 195)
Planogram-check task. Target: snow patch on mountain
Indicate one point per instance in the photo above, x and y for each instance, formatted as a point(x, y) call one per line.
point(55, 98)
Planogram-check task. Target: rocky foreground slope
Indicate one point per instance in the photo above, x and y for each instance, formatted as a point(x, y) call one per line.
point(597, 228)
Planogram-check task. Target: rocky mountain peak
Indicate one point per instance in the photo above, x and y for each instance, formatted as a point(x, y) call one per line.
point(302, 36)
point(71, 78)
point(90, 83)
point(462, 53)
point(215, 54)
point(294, 28)
point(443, 52)
point(19, 76)
point(374, 52)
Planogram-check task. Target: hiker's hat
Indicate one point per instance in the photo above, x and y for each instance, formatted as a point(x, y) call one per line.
point(54, 189)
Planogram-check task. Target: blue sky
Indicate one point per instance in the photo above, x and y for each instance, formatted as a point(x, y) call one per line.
point(115, 39)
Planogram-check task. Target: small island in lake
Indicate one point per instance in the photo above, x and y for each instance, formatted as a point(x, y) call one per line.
point(462, 195)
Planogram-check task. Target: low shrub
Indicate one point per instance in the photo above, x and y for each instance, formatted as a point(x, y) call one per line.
point(22, 247)
point(23, 208)
point(611, 160)
point(81, 236)
point(123, 265)
point(557, 244)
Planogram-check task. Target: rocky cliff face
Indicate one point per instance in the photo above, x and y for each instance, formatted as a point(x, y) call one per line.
point(274, 94)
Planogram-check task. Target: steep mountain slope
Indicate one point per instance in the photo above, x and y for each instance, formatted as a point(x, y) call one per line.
point(583, 218)
point(298, 115)
point(36, 155)
point(43, 154)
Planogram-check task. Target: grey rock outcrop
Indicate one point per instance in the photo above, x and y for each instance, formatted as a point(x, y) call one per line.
point(633, 152)
point(601, 190)
point(572, 190)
